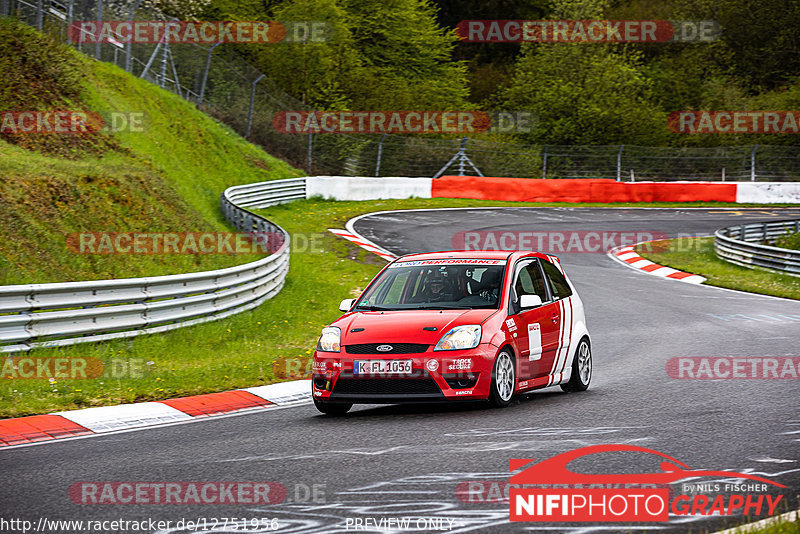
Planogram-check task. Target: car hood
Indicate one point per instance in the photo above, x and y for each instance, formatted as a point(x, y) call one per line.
point(405, 326)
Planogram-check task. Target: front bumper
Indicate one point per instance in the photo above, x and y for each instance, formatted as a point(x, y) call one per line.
point(435, 376)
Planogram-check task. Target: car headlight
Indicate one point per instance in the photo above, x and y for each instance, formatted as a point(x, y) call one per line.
point(330, 339)
point(461, 337)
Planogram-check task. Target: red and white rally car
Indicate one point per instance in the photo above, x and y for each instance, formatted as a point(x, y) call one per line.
point(455, 326)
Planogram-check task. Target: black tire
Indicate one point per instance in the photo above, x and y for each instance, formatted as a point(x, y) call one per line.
point(502, 390)
point(332, 408)
point(581, 368)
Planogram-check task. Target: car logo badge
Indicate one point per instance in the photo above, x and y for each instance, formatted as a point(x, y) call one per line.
point(384, 348)
point(432, 365)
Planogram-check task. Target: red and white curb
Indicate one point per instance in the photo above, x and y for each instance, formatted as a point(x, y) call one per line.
point(105, 419)
point(364, 243)
point(628, 256)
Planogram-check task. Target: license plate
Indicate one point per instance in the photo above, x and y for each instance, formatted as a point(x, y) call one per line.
point(382, 367)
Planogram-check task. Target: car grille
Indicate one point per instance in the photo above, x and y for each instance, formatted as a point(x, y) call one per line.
point(397, 348)
point(386, 386)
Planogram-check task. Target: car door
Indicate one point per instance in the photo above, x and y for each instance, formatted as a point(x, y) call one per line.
point(561, 293)
point(537, 328)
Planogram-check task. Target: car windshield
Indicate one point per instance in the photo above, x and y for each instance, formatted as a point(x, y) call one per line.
point(436, 285)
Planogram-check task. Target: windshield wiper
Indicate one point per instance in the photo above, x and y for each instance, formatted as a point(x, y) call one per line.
point(441, 307)
point(373, 308)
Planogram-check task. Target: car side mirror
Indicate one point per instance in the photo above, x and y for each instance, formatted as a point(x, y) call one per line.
point(530, 301)
point(346, 304)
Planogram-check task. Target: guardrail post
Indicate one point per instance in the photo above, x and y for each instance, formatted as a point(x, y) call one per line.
point(723, 174)
point(205, 73)
point(252, 103)
point(544, 162)
point(743, 232)
point(380, 153)
point(39, 14)
point(753, 164)
point(619, 163)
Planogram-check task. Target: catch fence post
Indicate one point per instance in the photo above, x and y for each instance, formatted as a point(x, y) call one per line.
point(310, 148)
point(252, 103)
point(380, 153)
point(205, 73)
point(544, 162)
point(97, 30)
point(129, 44)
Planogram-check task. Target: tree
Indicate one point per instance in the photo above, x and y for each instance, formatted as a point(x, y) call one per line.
point(759, 44)
point(376, 55)
point(585, 93)
point(321, 70)
point(407, 54)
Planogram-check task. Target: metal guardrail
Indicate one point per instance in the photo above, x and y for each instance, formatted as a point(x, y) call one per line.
point(743, 245)
point(46, 315)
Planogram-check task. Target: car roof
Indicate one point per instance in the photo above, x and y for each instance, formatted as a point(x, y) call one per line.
point(471, 254)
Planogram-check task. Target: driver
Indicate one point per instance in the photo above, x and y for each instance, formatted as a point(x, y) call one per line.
point(436, 285)
point(436, 288)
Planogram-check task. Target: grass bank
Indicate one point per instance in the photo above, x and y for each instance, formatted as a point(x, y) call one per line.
point(165, 175)
point(696, 255)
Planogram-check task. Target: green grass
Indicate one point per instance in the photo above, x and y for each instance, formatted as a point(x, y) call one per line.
point(271, 343)
point(696, 255)
point(165, 178)
point(790, 241)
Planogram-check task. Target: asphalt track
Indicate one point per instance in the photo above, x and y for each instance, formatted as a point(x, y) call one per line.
point(406, 461)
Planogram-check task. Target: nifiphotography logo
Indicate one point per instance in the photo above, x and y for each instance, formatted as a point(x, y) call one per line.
point(641, 497)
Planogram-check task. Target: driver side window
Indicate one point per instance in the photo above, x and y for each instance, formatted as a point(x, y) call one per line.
point(529, 281)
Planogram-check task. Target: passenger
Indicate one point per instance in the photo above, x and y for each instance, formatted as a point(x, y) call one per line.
point(490, 285)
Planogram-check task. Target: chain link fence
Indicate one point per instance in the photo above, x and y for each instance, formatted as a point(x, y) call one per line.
point(223, 84)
